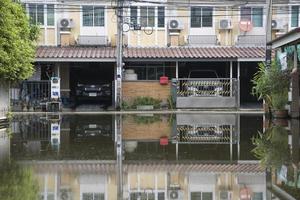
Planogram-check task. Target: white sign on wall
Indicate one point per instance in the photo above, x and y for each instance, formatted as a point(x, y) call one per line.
point(55, 88)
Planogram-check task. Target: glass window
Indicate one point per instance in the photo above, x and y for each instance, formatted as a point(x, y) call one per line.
point(207, 196)
point(147, 16)
point(246, 13)
point(98, 16)
point(32, 13)
point(207, 17)
point(87, 15)
point(40, 14)
point(50, 15)
point(257, 17)
point(161, 196)
point(258, 196)
point(133, 16)
point(295, 16)
point(196, 17)
point(161, 16)
point(36, 14)
point(201, 17)
point(196, 196)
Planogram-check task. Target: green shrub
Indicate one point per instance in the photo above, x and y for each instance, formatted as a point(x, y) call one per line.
point(142, 101)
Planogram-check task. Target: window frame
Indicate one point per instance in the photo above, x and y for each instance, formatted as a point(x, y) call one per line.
point(197, 11)
point(298, 16)
point(101, 16)
point(251, 15)
point(44, 12)
point(138, 18)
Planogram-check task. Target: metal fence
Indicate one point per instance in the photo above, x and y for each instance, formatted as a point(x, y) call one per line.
point(206, 93)
point(30, 95)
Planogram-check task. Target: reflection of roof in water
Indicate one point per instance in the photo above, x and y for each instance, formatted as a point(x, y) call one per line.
point(110, 167)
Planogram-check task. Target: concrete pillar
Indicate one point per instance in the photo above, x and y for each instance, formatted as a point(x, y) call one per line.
point(231, 75)
point(176, 69)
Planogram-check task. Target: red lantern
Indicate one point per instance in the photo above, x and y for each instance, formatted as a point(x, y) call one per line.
point(164, 80)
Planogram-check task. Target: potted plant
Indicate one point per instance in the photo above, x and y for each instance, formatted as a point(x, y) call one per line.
point(261, 86)
point(279, 88)
point(272, 86)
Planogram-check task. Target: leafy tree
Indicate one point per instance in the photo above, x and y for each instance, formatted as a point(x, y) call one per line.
point(17, 42)
point(17, 183)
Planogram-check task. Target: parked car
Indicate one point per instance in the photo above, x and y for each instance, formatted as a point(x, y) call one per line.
point(203, 83)
point(90, 130)
point(87, 91)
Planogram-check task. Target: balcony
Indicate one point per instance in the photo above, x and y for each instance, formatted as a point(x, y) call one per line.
point(202, 40)
point(251, 40)
point(89, 40)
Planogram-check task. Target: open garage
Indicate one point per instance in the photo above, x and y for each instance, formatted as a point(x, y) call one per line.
point(91, 83)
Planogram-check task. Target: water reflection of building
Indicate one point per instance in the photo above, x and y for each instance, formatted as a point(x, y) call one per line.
point(161, 181)
point(4, 144)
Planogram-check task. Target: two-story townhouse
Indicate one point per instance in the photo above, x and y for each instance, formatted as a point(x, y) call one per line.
point(161, 38)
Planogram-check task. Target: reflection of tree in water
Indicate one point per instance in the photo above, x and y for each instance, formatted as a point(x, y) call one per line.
point(17, 183)
point(271, 147)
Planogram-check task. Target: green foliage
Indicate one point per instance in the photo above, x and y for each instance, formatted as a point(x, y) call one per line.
point(141, 119)
point(271, 147)
point(279, 100)
point(271, 85)
point(142, 101)
point(17, 183)
point(17, 36)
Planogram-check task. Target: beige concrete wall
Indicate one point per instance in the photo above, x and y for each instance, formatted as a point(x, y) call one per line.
point(132, 130)
point(133, 89)
point(158, 37)
point(51, 36)
point(4, 99)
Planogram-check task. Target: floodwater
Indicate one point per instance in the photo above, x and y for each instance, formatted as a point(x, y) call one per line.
point(149, 157)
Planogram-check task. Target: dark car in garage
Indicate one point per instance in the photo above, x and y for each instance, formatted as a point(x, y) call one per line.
point(93, 91)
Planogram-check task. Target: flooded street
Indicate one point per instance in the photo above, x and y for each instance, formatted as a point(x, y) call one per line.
point(152, 157)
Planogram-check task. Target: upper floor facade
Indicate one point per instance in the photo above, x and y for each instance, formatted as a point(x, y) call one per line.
point(160, 23)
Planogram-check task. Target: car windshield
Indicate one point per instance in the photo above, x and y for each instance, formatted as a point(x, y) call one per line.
point(203, 74)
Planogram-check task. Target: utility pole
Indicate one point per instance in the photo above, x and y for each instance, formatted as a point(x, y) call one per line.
point(119, 55)
point(269, 34)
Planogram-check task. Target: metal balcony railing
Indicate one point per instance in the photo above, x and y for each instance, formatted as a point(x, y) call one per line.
point(202, 40)
point(251, 40)
point(90, 40)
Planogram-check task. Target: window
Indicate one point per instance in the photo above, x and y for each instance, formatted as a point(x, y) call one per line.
point(92, 196)
point(153, 71)
point(201, 17)
point(133, 16)
point(36, 13)
point(201, 195)
point(50, 15)
point(146, 17)
point(255, 15)
point(161, 16)
point(92, 16)
point(295, 16)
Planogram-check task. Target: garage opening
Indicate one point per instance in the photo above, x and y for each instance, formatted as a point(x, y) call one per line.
point(91, 84)
point(248, 69)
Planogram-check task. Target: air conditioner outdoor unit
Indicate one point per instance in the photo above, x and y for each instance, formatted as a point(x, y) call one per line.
point(278, 24)
point(225, 195)
point(175, 25)
point(225, 24)
point(175, 194)
point(66, 23)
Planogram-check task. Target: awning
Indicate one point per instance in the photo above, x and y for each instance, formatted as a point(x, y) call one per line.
point(108, 54)
point(288, 39)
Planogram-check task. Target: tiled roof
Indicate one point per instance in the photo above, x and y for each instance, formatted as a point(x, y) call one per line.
point(150, 53)
point(109, 166)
